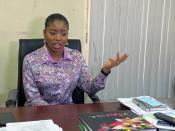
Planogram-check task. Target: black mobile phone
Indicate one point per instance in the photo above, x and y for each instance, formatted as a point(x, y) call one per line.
point(165, 117)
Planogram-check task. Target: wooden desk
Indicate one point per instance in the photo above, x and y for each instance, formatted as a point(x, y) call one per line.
point(66, 116)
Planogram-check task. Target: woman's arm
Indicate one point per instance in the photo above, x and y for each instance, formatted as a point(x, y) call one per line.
point(32, 93)
point(92, 85)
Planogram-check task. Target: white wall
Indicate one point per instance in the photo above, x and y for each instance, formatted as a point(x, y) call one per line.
point(25, 19)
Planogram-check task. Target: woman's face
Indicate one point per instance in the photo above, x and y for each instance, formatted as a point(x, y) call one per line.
point(56, 35)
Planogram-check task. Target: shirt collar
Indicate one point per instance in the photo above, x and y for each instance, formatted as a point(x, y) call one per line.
point(46, 57)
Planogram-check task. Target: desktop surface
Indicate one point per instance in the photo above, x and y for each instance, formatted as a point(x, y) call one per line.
point(66, 116)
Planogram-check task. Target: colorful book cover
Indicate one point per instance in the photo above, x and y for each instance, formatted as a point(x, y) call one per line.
point(124, 120)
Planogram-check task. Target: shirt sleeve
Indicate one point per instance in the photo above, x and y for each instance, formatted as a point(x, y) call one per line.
point(32, 94)
point(89, 84)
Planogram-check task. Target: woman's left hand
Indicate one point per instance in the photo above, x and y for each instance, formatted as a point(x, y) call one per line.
point(113, 62)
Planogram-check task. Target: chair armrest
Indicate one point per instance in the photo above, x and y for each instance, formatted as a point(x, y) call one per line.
point(12, 98)
point(94, 98)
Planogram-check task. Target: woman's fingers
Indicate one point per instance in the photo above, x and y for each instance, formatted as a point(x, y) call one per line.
point(124, 57)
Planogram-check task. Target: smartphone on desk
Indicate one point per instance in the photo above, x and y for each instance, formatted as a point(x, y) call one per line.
point(164, 123)
point(165, 126)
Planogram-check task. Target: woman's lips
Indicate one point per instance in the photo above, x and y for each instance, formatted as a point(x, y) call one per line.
point(57, 45)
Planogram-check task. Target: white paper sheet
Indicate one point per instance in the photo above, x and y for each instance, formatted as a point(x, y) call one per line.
point(41, 125)
point(3, 129)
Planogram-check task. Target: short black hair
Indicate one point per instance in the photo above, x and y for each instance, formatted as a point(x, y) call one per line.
point(56, 16)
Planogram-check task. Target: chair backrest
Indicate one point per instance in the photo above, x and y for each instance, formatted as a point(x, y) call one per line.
point(28, 45)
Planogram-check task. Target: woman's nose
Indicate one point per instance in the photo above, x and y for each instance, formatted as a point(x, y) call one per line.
point(58, 36)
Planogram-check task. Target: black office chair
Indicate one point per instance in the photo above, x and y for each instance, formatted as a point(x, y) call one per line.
point(17, 97)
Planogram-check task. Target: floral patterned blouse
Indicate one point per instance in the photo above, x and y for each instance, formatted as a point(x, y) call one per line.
point(46, 82)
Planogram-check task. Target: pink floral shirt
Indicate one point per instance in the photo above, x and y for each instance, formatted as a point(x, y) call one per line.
point(46, 82)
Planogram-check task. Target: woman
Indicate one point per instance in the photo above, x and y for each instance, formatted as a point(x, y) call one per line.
point(51, 73)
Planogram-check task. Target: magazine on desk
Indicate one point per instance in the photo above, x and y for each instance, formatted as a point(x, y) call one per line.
point(124, 120)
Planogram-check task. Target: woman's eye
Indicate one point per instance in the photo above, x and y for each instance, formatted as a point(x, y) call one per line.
point(64, 34)
point(52, 33)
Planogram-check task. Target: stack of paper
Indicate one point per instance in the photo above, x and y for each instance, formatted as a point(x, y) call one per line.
point(41, 125)
point(138, 109)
